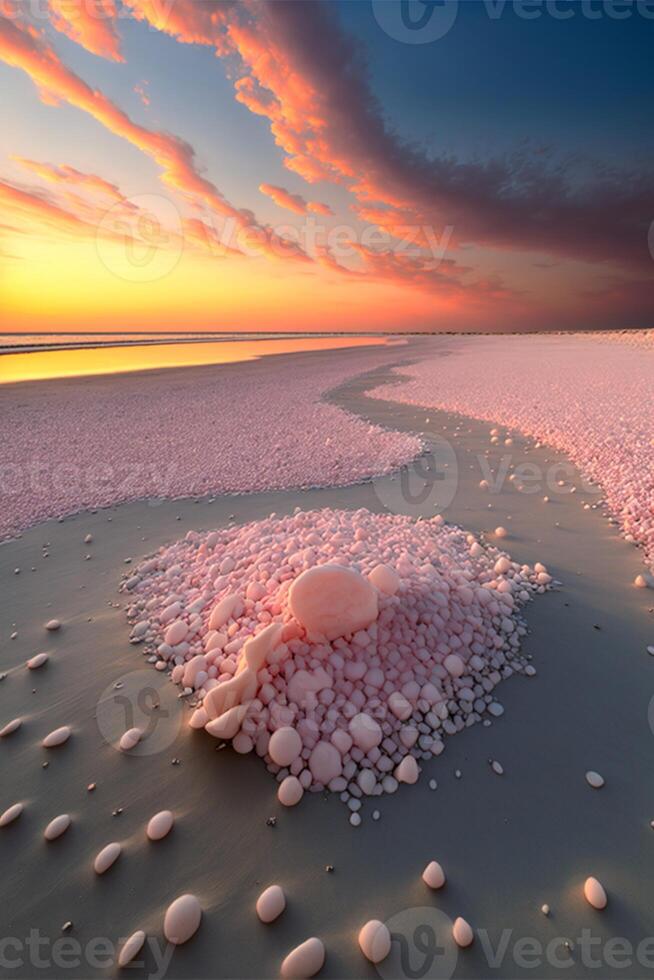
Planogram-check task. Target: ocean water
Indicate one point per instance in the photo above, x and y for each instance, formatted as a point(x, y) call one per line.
point(33, 357)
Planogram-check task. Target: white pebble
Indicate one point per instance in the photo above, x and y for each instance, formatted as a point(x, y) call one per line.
point(131, 948)
point(10, 727)
point(131, 738)
point(37, 661)
point(594, 779)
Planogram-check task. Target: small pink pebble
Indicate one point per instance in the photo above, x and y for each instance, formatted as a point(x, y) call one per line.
point(11, 727)
point(131, 738)
point(643, 582)
point(37, 661)
point(595, 894)
point(462, 933)
point(407, 771)
point(271, 903)
point(501, 532)
point(365, 731)
point(385, 579)
point(290, 791)
point(11, 813)
point(182, 919)
point(375, 941)
point(160, 825)
point(131, 948)
point(57, 827)
point(285, 746)
point(175, 633)
point(454, 665)
point(433, 875)
point(304, 961)
point(52, 625)
point(106, 857)
point(57, 737)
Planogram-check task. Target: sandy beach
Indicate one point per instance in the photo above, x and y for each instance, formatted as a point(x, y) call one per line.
point(508, 843)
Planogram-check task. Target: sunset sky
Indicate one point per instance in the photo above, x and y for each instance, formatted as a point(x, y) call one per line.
point(203, 164)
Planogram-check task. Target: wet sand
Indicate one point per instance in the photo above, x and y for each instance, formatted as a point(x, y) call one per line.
point(508, 844)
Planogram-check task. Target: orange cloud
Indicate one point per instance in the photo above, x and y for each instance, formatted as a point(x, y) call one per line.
point(69, 175)
point(90, 23)
point(293, 202)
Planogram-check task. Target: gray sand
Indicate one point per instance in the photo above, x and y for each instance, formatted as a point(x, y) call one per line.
point(507, 843)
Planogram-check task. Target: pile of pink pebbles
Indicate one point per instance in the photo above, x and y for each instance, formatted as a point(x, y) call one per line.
point(340, 646)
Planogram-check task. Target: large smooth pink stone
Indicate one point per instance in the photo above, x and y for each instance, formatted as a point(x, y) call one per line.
point(176, 632)
point(11, 727)
point(271, 903)
point(375, 941)
point(285, 746)
point(332, 601)
point(304, 961)
point(182, 919)
point(130, 739)
point(37, 661)
point(325, 763)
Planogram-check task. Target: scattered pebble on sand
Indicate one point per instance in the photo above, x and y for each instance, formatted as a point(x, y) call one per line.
point(182, 919)
point(106, 857)
point(57, 737)
point(271, 903)
point(462, 932)
point(433, 875)
point(11, 813)
point(130, 739)
point(594, 893)
point(594, 779)
point(375, 941)
point(131, 948)
point(304, 961)
point(11, 727)
point(37, 661)
point(52, 625)
point(57, 827)
point(160, 825)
